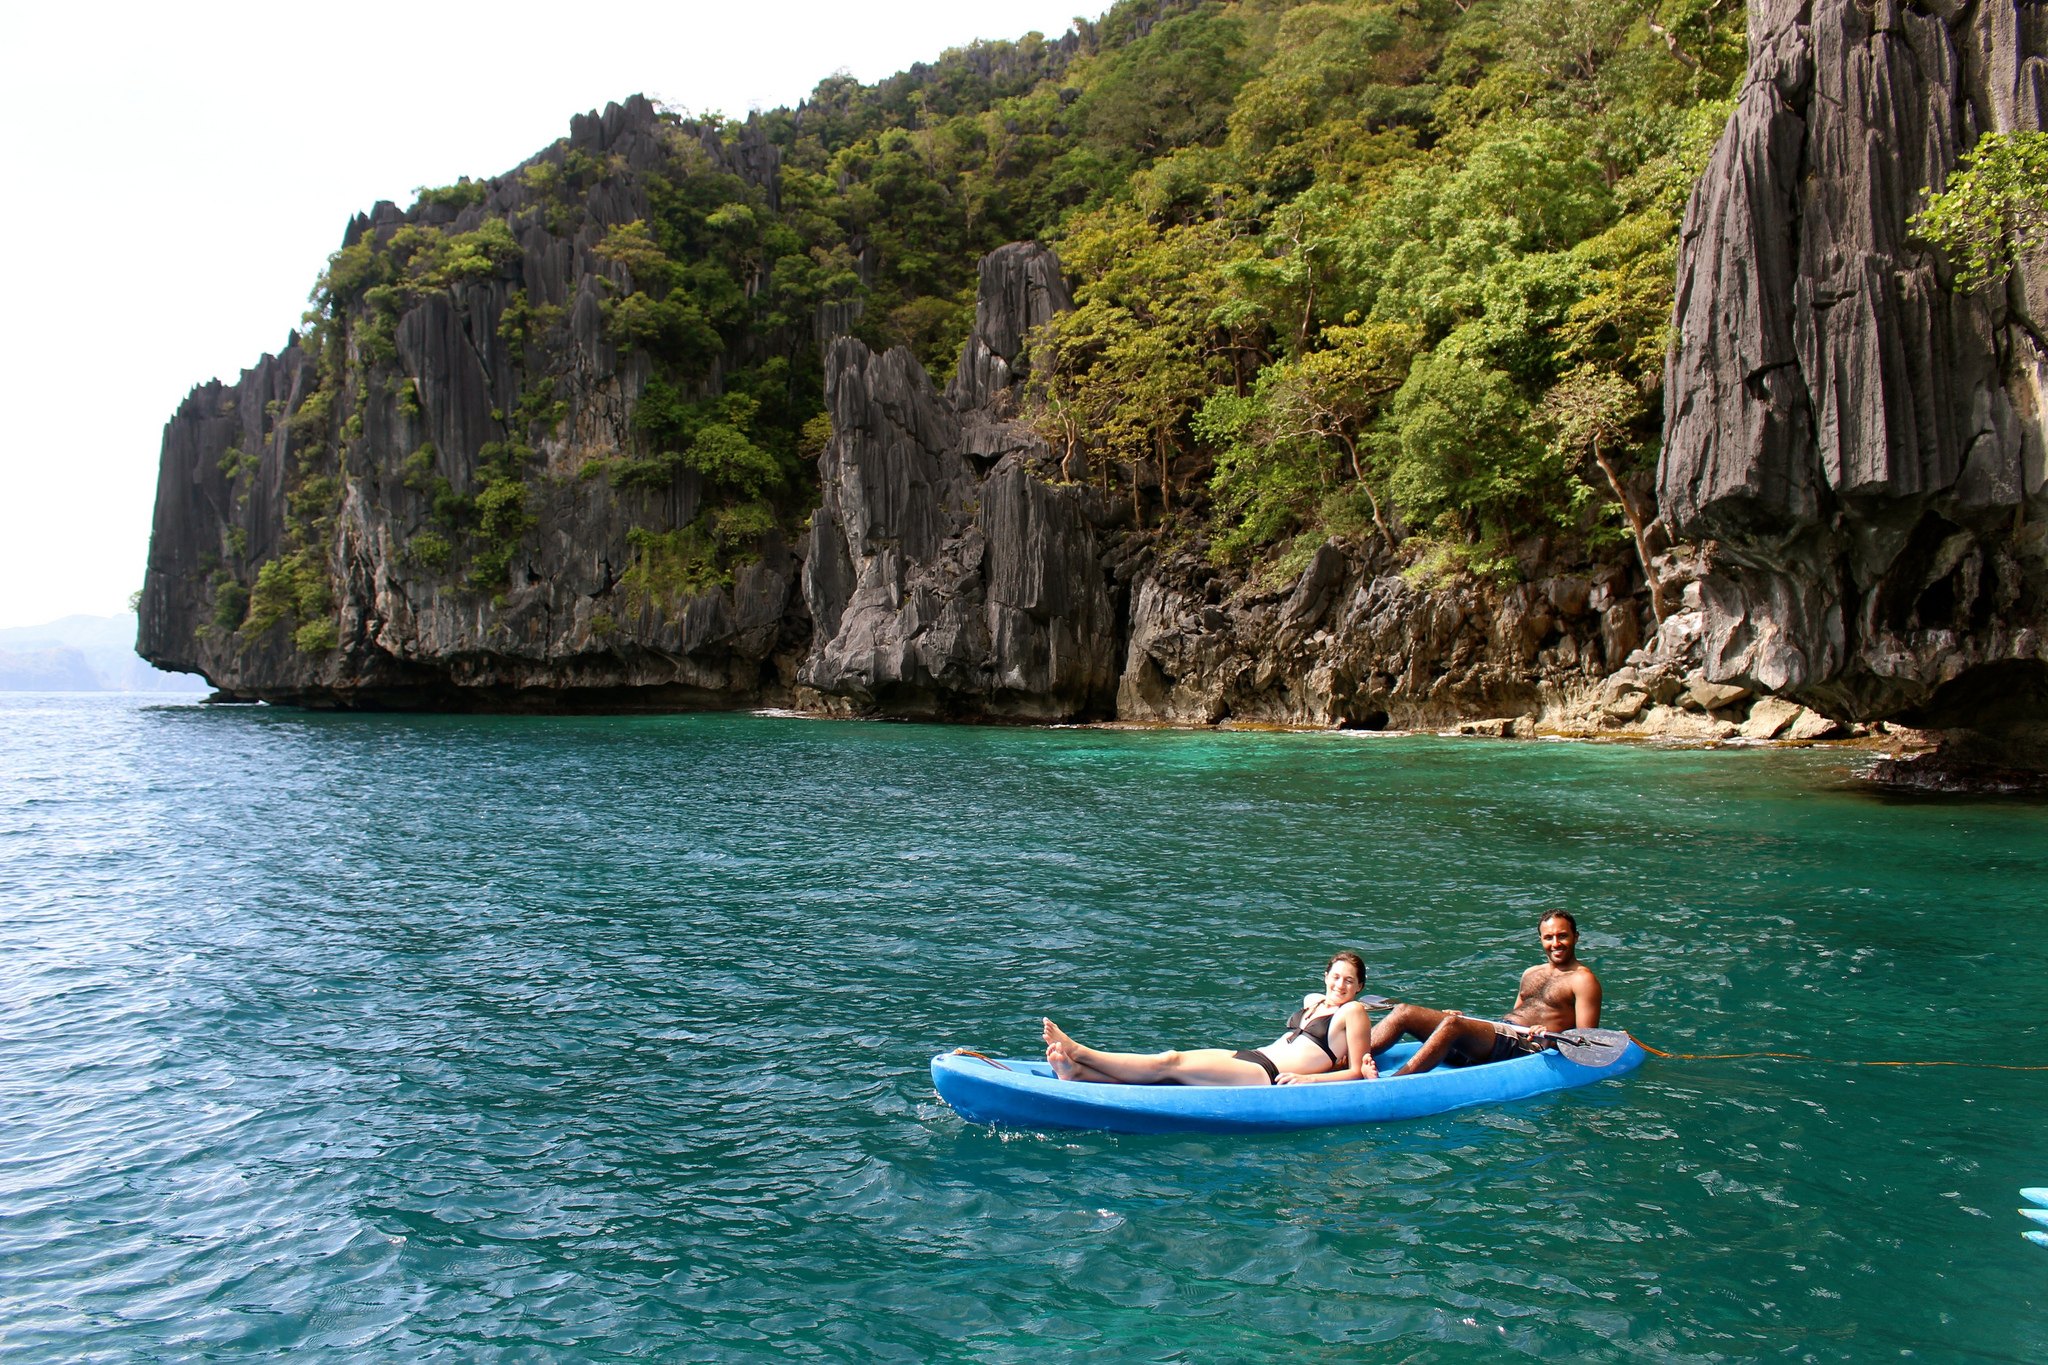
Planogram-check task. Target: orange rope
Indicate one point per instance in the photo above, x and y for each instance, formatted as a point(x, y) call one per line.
point(969, 1052)
point(1802, 1057)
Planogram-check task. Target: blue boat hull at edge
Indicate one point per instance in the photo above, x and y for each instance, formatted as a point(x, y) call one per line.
point(1030, 1096)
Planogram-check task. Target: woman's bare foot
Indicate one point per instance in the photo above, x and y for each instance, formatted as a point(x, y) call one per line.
point(1055, 1034)
point(1058, 1051)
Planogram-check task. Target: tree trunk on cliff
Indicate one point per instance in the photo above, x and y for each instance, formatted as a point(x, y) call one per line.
point(1358, 471)
point(1591, 408)
point(1639, 528)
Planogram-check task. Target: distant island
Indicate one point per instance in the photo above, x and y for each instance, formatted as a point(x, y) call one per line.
point(83, 654)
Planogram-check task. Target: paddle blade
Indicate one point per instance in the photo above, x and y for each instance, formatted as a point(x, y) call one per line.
point(1592, 1046)
point(2036, 1194)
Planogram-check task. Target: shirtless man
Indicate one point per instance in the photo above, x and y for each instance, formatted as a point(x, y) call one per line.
point(1558, 994)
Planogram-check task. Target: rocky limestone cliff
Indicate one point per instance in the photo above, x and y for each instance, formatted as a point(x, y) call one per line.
point(953, 566)
point(944, 575)
point(1858, 445)
point(409, 633)
point(1358, 640)
point(953, 572)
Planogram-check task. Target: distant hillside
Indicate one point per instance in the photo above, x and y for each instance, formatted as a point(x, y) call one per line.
point(83, 654)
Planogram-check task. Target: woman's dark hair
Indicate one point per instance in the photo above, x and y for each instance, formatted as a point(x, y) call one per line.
point(1564, 915)
point(1357, 962)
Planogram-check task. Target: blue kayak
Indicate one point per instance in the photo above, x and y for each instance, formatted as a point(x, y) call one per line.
point(1029, 1095)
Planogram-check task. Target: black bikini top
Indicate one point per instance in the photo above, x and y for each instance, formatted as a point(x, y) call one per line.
point(1317, 1031)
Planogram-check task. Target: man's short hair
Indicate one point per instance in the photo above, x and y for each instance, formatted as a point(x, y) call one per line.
point(1564, 915)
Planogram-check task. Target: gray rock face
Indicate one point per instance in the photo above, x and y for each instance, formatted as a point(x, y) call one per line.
point(1021, 287)
point(949, 575)
point(1862, 443)
point(938, 589)
point(1352, 642)
point(564, 631)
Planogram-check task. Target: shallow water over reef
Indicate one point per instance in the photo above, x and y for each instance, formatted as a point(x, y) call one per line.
point(591, 1039)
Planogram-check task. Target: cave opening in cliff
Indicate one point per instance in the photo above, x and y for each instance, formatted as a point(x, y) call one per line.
point(2009, 696)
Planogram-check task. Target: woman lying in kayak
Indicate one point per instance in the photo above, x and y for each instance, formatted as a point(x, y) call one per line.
point(1328, 1039)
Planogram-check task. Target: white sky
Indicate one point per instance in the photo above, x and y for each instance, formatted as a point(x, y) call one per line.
point(181, 172)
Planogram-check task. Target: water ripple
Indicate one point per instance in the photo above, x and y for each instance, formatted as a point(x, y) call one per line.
point(515, 1039)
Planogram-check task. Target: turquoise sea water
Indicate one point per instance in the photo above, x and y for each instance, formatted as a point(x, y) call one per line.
point(518, 1039)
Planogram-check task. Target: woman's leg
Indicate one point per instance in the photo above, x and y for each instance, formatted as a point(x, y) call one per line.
point(1203, 1066)
point(1073, 1071)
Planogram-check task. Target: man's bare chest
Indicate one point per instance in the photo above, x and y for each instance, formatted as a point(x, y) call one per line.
point(1550, 986)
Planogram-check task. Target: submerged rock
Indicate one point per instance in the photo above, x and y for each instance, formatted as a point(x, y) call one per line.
point(1948, 774)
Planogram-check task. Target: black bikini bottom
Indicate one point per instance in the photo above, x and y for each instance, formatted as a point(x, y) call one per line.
point(1260, 1059)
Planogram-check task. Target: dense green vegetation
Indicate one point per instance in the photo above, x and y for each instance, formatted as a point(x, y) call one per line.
point(1339, 267)
point(1993, 209)
point(296, 586)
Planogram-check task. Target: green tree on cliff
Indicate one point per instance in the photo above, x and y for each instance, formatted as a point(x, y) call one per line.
point(1994, 209)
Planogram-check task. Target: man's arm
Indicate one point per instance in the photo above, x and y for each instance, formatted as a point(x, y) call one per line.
point(1588, 997)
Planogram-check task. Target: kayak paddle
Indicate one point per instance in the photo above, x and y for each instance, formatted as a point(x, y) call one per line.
point(1588, 1046)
